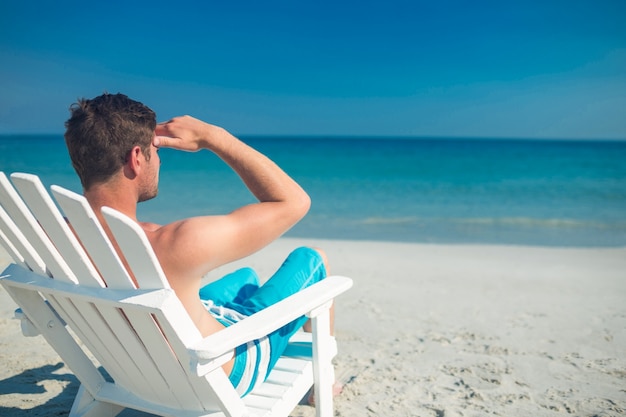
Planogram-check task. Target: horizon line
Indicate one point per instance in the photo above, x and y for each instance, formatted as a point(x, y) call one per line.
point(378, 137)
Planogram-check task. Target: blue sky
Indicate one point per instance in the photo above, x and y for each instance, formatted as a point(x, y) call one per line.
point(529, 69)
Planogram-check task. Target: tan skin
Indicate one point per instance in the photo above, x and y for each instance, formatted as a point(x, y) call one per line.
point(190, 248)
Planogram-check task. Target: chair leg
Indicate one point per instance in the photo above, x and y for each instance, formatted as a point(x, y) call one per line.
point(322, 365)
point(85, 405)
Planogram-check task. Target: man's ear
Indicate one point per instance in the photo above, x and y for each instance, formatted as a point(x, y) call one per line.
point(134, 163)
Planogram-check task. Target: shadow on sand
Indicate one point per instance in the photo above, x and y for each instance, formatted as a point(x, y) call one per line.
point(29, 382)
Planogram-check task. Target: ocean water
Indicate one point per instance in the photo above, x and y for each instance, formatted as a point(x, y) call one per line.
point(530, 192)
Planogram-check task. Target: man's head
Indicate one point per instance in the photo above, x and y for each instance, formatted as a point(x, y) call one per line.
point(102, 132)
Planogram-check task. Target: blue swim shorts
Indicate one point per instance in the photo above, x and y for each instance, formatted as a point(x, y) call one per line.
point(239, 294)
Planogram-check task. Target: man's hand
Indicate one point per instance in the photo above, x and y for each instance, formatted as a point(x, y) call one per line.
point(185, 133)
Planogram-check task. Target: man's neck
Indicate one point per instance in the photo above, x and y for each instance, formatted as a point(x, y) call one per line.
point(114, 195)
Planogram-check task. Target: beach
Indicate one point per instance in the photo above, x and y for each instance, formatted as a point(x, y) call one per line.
point(427, 330)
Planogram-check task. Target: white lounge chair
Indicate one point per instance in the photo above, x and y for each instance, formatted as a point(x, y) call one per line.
point(79, 296)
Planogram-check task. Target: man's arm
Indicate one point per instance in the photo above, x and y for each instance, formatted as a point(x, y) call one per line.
point(207, 242)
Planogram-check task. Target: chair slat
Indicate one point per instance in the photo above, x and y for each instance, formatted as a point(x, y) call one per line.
point(292, 365)
point(24, 219)
point(94, 239)
point(282, 377)
point(47, 214)
point(10, 248)
point(270, 390)
point(185, 334)
point(147, 379)
point(137, 249)
point(22, 245)
point(108, 348)
point(260, 403)
point(285, 385)
point(93, 332)
point(163, 358)
point(111, 348)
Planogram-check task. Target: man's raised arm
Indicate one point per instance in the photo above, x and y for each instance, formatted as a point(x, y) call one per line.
point(282, 202)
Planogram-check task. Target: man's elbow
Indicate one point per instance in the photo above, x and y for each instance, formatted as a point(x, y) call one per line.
point(299, 206)
point(294, 208)
point(303, 205)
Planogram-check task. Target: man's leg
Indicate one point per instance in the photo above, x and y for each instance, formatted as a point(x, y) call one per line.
point(302, 268)
point(235, 287)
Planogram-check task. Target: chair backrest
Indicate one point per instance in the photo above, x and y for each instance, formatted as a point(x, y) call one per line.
point(44, 211)
point(93, 238)
point(21, 229)
point(139, 335)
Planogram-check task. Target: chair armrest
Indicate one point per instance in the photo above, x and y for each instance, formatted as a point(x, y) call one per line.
point(269, 319)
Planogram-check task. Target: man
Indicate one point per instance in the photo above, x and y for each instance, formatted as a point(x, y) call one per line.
point(113, 143)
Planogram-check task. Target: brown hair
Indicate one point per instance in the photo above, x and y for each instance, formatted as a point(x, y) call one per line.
point(101, 132)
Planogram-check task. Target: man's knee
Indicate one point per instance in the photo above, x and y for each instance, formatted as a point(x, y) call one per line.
point(323, 256)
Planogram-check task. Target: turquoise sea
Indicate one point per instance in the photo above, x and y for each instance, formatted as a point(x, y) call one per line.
point(537, 192)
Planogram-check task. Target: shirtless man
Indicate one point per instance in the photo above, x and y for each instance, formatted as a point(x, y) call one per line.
point(113, 143)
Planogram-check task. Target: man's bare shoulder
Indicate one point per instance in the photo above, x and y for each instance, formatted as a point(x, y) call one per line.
point(203, 243)
point(181, 228)
point(187, 244)
point(178, 233)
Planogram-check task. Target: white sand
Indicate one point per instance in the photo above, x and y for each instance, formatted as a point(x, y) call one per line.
point(428, 330)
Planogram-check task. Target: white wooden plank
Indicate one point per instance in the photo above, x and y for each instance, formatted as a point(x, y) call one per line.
point(227, 397)
point(32, 260)
point(47, 214)
point(70, 313)
point(301, 337)
point(299, 350)
point(269, 389)
point(26, 222)
point(148, 377)
point(112, 393)
point(132, 356)
point(163, 357)
point(283, 377)
point(86, 405)
point(293, 365)
point(137, 250)
point(181, 332)
point(93, 238)
point(177, 325)
point(105, 345)
point(260, 403)
point(256, 412)
point(323, 371)
point(283, 390)
point(11, 249)
point(76, 313)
